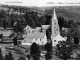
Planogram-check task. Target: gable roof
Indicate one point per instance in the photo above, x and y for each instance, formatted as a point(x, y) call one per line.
point(59, 38)
point(45, 27)
point(6, 32)
point(36, 35)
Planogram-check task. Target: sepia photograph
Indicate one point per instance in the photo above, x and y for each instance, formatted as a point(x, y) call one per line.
point(39, 30)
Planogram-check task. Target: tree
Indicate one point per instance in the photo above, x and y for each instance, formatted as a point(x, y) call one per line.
point(48, 48)
point(9, 56)
point(22, 58)
point(1, 35)
point(1, 56)
point(48, 33)
point(48, 19)
point(76, 40)
point(28, 56)
point(3, 14)
point(18, 26)
point(12, 23)
point(71, 23)
point(6, 57)
point(35, 51)
point(68, 39)
point(42, 20)
point(29, 20)
point(4, 24)
point(15, 41)
point(65, 50)
point(73, 30)
point(32, 24)
point(61, 22)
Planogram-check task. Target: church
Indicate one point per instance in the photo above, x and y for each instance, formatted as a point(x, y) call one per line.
point(40, 37)
point(55, 36)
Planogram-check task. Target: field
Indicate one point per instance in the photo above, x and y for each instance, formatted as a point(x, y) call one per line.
point(16, 50)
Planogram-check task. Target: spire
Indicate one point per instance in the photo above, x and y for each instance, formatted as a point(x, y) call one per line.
point(54, 15)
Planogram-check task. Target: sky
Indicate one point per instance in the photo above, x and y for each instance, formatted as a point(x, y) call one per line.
point(40, 3)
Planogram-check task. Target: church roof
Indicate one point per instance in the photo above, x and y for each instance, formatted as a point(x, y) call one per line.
point(59, 38)
point(45, 27)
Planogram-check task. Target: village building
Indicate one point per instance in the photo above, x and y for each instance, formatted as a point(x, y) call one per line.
point(6, 33)
point(45, 27)
point(55, 36)
point(39, 36)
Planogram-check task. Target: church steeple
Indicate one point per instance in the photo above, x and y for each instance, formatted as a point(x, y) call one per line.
point(55, 26)
point(54, 15)
point(55, 35)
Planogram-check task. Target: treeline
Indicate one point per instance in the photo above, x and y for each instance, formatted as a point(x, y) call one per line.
point(31, 18)
point(34, 20)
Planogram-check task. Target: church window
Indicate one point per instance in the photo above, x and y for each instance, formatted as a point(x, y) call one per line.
point(24, 41)
point(55, 32)
point(57, 29)
point(54, 40)
point(29, 31)
point(55, 23)
point(40, 39)
point(58, 41)
point(36, 39)
point(42, 42)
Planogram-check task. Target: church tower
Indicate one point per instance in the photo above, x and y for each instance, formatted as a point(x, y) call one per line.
point(54, 26)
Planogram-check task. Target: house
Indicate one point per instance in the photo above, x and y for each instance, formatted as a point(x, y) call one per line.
point(45, 27)
point(6, 33)
point(65, 30)
point(38, 37)
point(28, 29)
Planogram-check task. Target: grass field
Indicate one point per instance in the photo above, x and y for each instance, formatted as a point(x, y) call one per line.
point(16, 51)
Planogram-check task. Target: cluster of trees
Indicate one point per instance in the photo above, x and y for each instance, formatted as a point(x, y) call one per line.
point(9, 56)
point(66, 23)
point(33, 20)
point(8, 20)
point(35, 52)
point(48, 48)
point(30, 18)
point(72, 26)
point(64, 50)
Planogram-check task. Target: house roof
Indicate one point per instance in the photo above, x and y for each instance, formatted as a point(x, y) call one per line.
point(45, 27)
point(6, 32)
point(31, 36)
point(36, 35)
point(38, 28)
